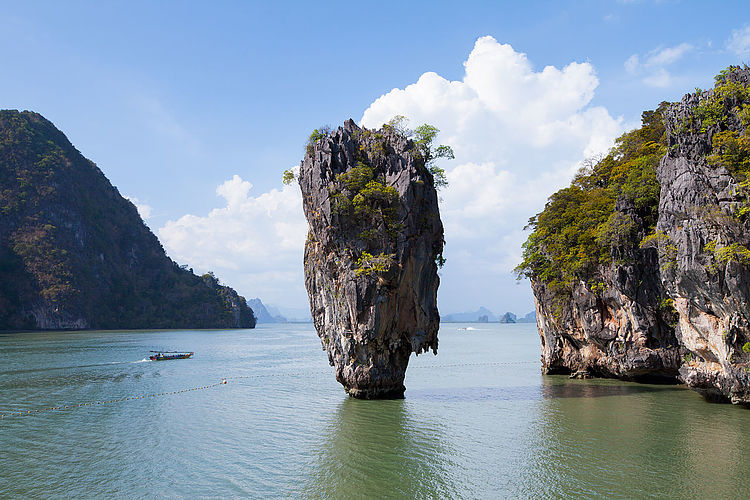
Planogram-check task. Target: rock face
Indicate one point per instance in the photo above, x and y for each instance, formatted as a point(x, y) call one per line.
point(75, 254)
point(370, 258)
point(620, 331)
point(704, 251)
point(675, 306)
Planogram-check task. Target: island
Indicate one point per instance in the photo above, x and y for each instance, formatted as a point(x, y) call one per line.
point(75, 254)
point(641, 267)
point(373, 250)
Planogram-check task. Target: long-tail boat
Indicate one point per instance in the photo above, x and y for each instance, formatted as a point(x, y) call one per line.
point(165, 355)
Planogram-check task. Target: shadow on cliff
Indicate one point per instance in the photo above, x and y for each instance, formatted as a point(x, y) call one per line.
point(380, 448)
point(553, 387)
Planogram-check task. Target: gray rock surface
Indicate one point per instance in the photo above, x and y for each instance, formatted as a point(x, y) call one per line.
point(678, 309)
point(620, 332)
point(371, 317)
point(698, 207)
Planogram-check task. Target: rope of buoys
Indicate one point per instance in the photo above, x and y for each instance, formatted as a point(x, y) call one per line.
point(109, 401)
point(224, 382)
point(488, 363)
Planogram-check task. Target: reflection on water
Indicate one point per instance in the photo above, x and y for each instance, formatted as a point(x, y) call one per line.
point(377, 448)
point(554, 387)
point(620, 440)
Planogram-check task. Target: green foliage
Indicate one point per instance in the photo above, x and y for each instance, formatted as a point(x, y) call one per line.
point(733, 253)
point(424, 135)
point(399, 124)
point(668, 312)
point(375, 197)
point(440, 260)
point(288, 177)
point(316, 135)
point(654, 240)
point(616, 231)
point(360, 200)
point(731, 151)
point(579, 227)
point(746, 347)
point(357, 178)
point(369, 264)
point(715, 107)
point(341, 204)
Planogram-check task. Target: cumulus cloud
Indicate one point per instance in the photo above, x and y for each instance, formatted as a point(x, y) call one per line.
point(144, 210)
point(518, 135)
point(252, 243)
point(739, 42)
point(652, 67)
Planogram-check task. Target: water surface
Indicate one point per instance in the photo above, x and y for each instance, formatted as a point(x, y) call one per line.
point(478, 421)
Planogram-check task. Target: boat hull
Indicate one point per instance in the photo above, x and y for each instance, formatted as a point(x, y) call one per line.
point(167, 357)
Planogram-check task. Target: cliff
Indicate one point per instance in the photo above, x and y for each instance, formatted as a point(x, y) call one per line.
point(703, 228)
point(75, 254)
point(640, 268)
point(370, 258)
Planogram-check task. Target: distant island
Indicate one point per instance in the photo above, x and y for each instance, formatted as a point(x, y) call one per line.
point(266, 313)
point(75, 254)
point(484, 315)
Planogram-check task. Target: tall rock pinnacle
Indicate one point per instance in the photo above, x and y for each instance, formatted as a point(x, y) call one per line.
point(370, 258)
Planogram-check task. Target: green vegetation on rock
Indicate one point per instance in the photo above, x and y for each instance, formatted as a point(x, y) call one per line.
point(580, 227)
point(368, 264)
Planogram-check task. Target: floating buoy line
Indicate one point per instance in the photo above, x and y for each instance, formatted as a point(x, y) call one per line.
point(223, 381)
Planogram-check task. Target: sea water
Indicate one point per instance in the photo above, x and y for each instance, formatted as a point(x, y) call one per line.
point(478, 421)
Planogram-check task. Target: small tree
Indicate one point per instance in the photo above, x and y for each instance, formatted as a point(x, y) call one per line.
point(288, 177)
point(424, 135)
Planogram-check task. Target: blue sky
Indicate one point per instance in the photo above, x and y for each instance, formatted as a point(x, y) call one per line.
point(178, 99)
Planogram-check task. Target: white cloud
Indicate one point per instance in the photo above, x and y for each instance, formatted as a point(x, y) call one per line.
point(632, 64)
point(652, 66)
point(739, 42)
point(144, 210)
point(253, 244)
point(669, 55)
point(518, 135)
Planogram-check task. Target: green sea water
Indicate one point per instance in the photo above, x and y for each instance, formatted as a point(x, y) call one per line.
point(478, 421)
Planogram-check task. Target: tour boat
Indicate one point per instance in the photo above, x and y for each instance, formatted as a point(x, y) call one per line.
point(165, 355)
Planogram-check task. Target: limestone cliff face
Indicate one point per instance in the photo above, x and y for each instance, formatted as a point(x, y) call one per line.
point(677, 304)
point(706, 237)
point(621, 331)
point(370, 257)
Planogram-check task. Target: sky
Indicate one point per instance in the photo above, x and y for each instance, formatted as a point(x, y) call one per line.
point(194, 109)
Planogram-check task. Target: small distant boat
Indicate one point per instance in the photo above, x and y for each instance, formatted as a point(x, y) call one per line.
point(165, 355)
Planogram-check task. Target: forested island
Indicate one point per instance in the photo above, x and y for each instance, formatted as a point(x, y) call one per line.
point(75, 254)
point(641, 267)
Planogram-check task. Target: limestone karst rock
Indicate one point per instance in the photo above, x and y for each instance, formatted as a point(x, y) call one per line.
point(704, 248)
point(661, 285)
point(370, 257)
